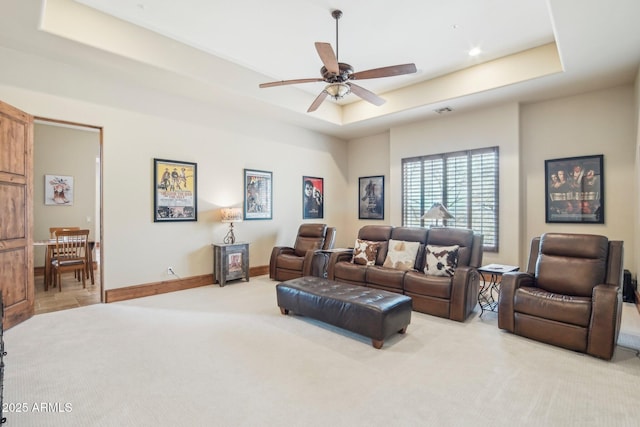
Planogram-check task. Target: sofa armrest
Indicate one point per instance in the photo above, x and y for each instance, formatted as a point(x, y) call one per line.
point(606, 314)
point(337, 255)
point(464, 292)
point(275, 252)
point(510, 282)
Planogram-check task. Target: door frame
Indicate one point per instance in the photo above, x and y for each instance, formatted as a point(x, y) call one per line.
point(55, 122)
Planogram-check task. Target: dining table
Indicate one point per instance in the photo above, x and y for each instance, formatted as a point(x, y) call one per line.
point(50, 245)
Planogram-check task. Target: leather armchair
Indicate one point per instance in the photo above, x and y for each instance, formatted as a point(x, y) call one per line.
point(570, 296)
point(292, 262)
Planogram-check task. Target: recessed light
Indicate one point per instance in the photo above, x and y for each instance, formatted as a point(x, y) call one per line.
point(475, 51)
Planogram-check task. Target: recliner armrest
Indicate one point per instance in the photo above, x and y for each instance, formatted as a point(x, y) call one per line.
point(464, 292)
point(509, 283)
point(275, 252)
point(606, 314)
point(337, 255)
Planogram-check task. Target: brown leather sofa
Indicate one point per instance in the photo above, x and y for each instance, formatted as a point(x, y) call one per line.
point(452, 297)
point(297, 261)
point(570, 296)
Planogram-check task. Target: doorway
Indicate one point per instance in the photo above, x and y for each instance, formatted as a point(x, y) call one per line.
point(70, 152)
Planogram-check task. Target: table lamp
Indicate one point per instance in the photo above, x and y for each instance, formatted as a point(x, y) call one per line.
point(437, 212)
point(231, 215)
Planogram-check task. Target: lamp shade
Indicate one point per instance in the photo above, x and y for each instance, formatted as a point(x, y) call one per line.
point(437, 211)
point(231, 215)
point(337, 90)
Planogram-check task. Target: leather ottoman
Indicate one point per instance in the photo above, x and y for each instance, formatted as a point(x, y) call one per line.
point(374, 313)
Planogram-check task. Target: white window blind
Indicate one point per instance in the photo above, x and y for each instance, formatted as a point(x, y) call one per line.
point(465, 182)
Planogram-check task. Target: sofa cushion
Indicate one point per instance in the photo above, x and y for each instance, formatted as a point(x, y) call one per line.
point(441, 260)
point(385, 278)
point(401, 255)
point(365, 252)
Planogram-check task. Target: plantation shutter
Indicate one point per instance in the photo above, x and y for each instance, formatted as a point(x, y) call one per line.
point(465, 182)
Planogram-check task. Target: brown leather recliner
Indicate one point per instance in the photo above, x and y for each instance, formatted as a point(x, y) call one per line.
point(291, 262)
point(570, 296)
point(449, 297)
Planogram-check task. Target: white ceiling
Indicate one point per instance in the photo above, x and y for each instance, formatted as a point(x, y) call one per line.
point(277, 38)
point(240, 44)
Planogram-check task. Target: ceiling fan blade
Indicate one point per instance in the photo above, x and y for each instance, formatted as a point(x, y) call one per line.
point(366, 94)
point(290, 82)
point(328, 57)
point(314, 106)
point(393, 70)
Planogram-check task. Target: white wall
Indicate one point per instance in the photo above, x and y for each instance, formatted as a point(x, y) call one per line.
point(367, 157)
point(136, 250)
point(601, 122)
point(497, 126)
point(636, 215)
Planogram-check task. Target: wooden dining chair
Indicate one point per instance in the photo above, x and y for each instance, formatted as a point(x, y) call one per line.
point(50, 253)
point(53, 230)
point(70, 255)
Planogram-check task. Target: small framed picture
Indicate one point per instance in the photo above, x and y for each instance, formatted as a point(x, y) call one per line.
point(175, 191)
point(58, 190)
point(575, 190)
point(312, 197)
point(258, 192)
point(371, 197)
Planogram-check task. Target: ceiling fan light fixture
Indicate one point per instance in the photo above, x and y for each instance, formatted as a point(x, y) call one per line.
point(338, 90)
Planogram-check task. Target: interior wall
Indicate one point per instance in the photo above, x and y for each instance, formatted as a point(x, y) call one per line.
point(367, 157)
point(71, 152)
point(601, 122)
point(135, 249)
point(496, 126)
point(637, 165)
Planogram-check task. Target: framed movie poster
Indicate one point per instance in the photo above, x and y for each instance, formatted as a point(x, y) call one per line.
point(575, 190)
point(175, 191)
point(312, 197)
point(371, 197)
point(58, 190)
point(258, 194)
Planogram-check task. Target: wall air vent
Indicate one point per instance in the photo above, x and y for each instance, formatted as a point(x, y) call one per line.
point(443, 110)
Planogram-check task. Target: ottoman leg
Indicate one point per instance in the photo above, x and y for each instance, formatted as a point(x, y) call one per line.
point(284, 310)
point(403, 330)
point(377, 343)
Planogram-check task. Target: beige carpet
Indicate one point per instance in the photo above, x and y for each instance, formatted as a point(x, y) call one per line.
point(215, 356)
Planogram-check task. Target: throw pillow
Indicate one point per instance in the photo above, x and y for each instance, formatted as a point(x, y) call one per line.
point(441, 260)
point(401, 255)
point(365, 252)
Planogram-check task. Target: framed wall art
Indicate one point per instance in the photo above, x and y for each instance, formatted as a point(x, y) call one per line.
point(371, 197)
point(258, 192)
point(312, 197)
point(575, 190)
point(58, 190)
point(175, 191)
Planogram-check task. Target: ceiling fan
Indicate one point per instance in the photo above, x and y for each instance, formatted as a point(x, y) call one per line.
point(338, 75)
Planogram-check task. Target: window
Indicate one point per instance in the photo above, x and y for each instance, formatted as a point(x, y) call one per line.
point(466, 182)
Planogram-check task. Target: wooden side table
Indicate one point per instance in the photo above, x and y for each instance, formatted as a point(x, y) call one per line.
point(230, 262)
point(490, 289)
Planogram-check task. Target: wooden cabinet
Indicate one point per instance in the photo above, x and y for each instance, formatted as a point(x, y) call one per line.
point(230, 262)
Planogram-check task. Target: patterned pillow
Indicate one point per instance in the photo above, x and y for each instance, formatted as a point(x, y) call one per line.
point(401, 255)
point(365, 252)
point(441, 260)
